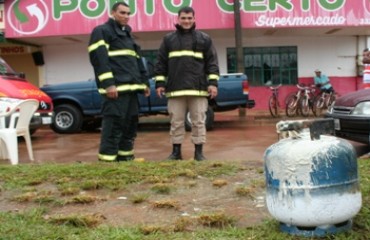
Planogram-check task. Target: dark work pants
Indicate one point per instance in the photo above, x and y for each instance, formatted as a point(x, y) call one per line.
point(119, 127)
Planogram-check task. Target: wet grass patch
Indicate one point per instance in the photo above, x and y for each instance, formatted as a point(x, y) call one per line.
point(44, 185)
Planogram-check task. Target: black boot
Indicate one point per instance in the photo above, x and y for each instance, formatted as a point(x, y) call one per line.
point(176, 152)
point(198, 154)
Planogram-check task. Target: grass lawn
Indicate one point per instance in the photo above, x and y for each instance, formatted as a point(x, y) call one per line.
point(35, 192)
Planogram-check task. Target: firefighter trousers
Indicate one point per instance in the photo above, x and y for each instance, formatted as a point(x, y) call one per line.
point(197, 107)
point(119, 127)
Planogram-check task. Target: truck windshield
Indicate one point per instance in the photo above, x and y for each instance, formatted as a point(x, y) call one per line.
point(5, 69)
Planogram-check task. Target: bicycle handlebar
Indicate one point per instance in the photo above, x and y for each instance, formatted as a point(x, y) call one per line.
point(305, 87)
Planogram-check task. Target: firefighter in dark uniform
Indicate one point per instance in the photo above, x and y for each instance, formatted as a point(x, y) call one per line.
point(120, 75)
point(187, 73)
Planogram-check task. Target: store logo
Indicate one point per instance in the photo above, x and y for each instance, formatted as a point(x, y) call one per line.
point(28, 18)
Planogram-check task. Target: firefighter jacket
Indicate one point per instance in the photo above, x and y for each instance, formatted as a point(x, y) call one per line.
point(115, 58)
point(187, 63)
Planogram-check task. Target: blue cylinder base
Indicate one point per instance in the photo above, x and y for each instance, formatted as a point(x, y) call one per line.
point(316, 231)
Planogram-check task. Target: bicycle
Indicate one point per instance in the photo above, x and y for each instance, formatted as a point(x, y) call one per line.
point(322, 102)
point(274, 105)
point(300, 102)
point(306, 101)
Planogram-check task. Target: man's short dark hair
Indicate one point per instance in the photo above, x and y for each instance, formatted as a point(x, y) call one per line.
point(115, 6)
point(186, 10)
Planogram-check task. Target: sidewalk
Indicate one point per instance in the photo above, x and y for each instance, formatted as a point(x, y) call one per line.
point(260, 113)
point(251, 116)
point(265, 114)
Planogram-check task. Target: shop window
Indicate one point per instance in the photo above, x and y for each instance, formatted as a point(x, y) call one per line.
point(267, 65)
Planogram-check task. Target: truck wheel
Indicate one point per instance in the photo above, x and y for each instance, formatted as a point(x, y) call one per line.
point(210, 117)
point(67, 119)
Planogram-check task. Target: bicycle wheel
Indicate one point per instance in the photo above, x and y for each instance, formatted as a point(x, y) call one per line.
point(304, 106)
point(318, 106)
point(291, 106)
point(331, 99)
point(273, 106)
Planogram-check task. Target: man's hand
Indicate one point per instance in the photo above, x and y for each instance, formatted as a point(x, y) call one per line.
point(212, 91)
point(112, 92)
point(147, 92)
point(160, 92)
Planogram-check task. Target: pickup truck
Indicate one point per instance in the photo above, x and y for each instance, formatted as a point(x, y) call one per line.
point(77, 105)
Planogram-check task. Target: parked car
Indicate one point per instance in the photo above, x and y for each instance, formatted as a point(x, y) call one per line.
point(15, 85)
point(351, 114)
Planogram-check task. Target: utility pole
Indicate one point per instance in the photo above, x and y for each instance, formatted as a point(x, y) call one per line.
point(238, 45)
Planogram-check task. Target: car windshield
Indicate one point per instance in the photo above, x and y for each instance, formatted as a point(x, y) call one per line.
point(5, 69)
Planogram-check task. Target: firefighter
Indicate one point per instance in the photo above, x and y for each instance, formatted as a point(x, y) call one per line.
point(187, 73)
point(120, 75)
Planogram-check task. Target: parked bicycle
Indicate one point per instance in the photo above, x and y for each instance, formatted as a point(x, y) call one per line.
point(274, 105)
point(300, 102)
point(306, 101)
point(322, 102)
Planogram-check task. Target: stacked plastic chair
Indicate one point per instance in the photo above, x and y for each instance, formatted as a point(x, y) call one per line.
point(20, 114)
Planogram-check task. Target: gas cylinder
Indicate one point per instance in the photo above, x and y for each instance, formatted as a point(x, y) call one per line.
point(312, 185)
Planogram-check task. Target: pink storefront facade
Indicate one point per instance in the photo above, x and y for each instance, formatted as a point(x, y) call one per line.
point(264, 23)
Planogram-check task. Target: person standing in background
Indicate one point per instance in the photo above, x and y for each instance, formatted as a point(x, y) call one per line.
point(187, 73)
point(120, 76)
point(366, 72)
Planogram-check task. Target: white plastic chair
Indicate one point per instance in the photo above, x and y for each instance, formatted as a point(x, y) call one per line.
point(20, 118)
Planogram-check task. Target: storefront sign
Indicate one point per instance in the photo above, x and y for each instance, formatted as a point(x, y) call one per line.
point(70, 17)
point(13, 50)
